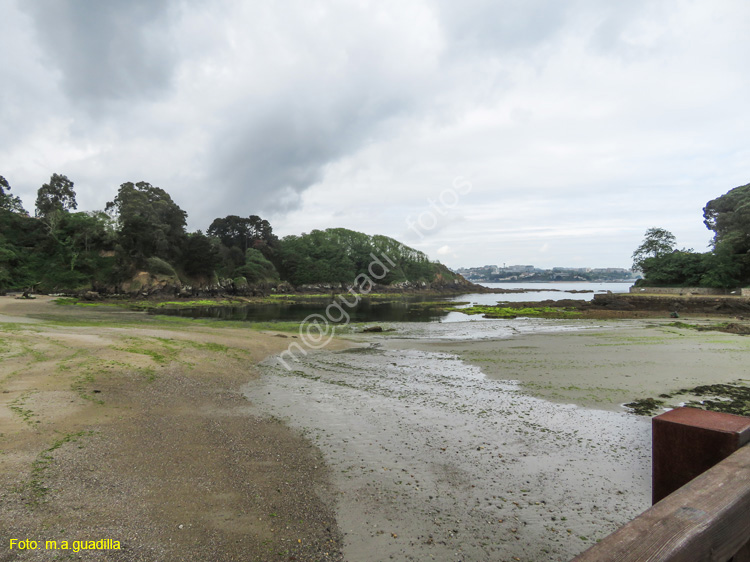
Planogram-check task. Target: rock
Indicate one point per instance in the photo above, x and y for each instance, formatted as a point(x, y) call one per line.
point(373, 329)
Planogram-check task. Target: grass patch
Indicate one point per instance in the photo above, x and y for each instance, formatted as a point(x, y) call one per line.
point(18, 407)
point(35, 488)
point(164, 354)
point(207, 346)
point(16, 327)
point(80, 386)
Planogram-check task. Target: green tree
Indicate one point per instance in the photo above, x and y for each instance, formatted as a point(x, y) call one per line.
point(678, 268)
point(150, 223)
point(317, 257)
point(243, 233)
point(728, 217)
point(57, 196)
point(257, 268)
point(723, 268)
point(82, 236)
point(200, 256)
point(10, 202)
point(657, 242)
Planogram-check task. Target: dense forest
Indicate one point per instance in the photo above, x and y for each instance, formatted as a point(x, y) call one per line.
point(725, 266)
point(139, 243)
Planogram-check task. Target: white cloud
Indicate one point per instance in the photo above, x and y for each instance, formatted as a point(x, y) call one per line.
point(579, 124)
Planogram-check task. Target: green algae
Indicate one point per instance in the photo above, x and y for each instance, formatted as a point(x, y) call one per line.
point(731, 398)
point(509, 312)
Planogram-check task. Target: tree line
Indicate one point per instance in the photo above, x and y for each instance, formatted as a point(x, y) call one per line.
point(726, 265)
point(143, 229)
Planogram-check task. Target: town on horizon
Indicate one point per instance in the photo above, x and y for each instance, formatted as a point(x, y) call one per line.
point(529, 273)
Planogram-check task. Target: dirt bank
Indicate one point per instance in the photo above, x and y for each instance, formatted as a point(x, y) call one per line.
point(117, 425)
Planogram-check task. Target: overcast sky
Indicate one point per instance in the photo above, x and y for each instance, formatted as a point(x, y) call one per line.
point(543, 132)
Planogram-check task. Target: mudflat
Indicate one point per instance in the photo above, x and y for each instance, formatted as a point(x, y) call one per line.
point(118, 425)
point(605, 364)
point(514, 447)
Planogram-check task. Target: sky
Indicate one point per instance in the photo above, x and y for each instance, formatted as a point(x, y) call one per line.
point(542, 132)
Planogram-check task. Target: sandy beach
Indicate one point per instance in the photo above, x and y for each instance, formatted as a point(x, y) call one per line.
point(162, 434)
point(118, 425)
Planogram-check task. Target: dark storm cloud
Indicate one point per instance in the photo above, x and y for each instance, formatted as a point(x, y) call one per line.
point(105, 51)
point(266, 163)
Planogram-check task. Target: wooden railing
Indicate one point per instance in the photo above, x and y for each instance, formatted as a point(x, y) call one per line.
point(707, 519)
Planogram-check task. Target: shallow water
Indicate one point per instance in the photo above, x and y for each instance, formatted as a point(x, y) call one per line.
point(407, 308)
point(543, 291)
point(458, 326)
point(433, 460)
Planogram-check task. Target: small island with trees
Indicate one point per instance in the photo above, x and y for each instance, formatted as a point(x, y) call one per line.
point(139, 246)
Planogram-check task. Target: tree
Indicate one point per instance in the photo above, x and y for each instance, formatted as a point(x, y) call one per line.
point(57, 196)
point(10, 202)
point(723, 269)
point(678, 268)
point(729, 217)
point(243, 233)
point(200, 256)
point(150, 223)
point(657, 242)
point(257, 268)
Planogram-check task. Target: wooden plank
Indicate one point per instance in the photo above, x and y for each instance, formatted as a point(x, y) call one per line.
point(743, 555)
point(708, 519)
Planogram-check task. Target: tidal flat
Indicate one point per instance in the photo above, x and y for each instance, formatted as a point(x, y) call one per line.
point(514, 445)
point(455, 440)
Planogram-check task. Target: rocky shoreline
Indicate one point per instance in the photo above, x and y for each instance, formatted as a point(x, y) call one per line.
point(639, 303)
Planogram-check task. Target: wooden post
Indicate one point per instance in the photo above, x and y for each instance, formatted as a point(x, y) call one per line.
point(689, 441)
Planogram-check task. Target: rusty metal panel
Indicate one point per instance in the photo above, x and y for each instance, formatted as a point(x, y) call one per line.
point(689, 441)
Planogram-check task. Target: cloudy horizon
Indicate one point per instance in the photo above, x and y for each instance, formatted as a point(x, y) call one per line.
point(540, 132)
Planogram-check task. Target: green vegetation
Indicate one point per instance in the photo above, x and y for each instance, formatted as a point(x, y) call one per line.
point(728, 327)
point(530, 312)
point(35, 489)
point(645, 406)
point(729, 398)
point(18, 407)
point(727, 265)
point(338, 255)
point(140, 240)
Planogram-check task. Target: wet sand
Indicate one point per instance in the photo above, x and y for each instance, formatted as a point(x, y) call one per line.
point(443, 449)
point(605, 364)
